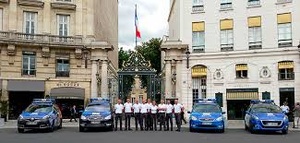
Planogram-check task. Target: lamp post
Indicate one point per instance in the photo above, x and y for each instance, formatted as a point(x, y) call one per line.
point(187, 54)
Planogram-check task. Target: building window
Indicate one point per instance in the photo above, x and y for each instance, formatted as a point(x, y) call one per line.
point(29, 61)
point(226, 4)
point(198, 5)
point(1, 19)
point(241, 71)
point(30, 22)
point(253, 2)
point(195, 95)
point(286, 70)
point(62, 67)
point(254, 32)
point(63, 25)
point(284, 30)
point(226, 34)
point(198, 37)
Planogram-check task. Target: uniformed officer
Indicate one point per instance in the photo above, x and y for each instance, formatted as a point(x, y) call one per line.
point(169, 115)
point(118, 114)
point(137, 114)
point(162, 114)
point(144, 114)
point(149, 117)
point(128, 114)
point(154, 109)
point(178, 108)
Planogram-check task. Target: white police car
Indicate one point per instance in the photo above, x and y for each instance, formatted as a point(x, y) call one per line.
point(97, 114)
point(40, 114)
point(265, 116)
point(207, 115)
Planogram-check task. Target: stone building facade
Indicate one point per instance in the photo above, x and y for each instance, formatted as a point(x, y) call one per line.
point(65, 49)
point(233, 51)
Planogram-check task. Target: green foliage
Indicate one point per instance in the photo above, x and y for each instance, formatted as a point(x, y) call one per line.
point(151, 52)
point(123, 56)
point(3, 107)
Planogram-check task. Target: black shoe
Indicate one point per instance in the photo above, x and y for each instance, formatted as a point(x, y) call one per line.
point(130, 129)
point(115, 129)
point(160, 130)
point(178, 130)
point(125, 129)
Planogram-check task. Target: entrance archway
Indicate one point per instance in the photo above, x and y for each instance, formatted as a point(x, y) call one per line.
point(138, 66)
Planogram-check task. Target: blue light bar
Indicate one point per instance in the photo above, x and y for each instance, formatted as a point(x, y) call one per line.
point(99, 100)
point(261, 101)
point(43, 100)
point(206, 101)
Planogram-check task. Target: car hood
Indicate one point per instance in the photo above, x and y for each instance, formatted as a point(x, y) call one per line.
point(36, 115)
point(270, 116)
point(102, 113)
point(206, 115)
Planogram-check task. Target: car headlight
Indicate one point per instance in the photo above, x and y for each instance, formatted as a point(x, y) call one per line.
point(46, 117)
point(108, 117)
point(255, 117)
point(21, 117)
point(285, 118)
point(83, 117)
point(193, 118)
point(219, 119)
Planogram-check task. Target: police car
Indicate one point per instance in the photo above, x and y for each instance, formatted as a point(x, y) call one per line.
point(265, 116)
point(40, 114)
point(97, 114)
point(207, 115)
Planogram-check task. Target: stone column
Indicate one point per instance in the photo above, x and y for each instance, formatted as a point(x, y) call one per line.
point(178, 85)
point(104, 79)
point(94, 85)
point(168, 83)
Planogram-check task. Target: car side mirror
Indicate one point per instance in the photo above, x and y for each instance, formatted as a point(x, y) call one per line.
point(189, 112)
point(223, 112)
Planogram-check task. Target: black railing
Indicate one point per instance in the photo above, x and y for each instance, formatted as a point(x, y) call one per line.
point(62, 73)
point(31, 72)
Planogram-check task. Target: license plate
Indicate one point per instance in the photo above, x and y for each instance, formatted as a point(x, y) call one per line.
point(95, 122)
point(205, 123)
point(272, 124)
point(31, 123)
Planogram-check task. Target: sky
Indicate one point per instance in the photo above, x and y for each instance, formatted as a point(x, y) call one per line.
point(152, 19)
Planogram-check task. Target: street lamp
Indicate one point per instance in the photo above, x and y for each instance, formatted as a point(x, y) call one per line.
point(187, 54)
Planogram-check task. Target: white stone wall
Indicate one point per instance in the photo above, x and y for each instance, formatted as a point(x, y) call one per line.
point(268, 56)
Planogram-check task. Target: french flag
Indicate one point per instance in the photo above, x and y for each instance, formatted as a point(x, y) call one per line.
point(137, 31)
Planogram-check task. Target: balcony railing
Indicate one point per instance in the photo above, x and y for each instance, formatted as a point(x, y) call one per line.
point(226, 47)
point(40, 39)
point(253, 2)
point(62, 73)
point(198, 8)
point(284, 1)
point(26, 72)
point(286, 76)
point(255, 45)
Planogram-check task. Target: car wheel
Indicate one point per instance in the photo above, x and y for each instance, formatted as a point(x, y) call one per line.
point(251, 129)
point(285, 131)
point(222, 130)
point(21, 130)
point(60, 124)
point(192, 129)
point(81, 129)
point(51, 129)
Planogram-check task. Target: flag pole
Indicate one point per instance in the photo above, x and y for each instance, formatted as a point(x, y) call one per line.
point(135, 26)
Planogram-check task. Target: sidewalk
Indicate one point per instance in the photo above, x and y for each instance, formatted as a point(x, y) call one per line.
point(231, 124)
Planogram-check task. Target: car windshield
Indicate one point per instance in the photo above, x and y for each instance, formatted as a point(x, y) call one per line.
point(207, 108)
point(97, 108)
point(266, 108)
point(39, 108)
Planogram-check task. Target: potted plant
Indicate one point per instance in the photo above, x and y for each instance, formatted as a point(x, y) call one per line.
point(3, 109)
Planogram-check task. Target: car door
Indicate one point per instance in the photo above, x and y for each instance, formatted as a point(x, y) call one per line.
point(55, 117)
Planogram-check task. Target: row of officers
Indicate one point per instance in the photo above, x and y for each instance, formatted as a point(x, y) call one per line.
point(148, 114)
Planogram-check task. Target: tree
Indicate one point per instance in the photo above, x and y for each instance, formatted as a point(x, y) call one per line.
point(151, 52)
point(123, 56)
